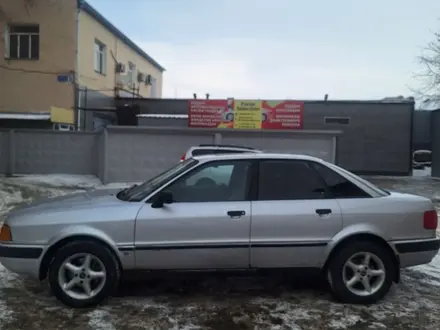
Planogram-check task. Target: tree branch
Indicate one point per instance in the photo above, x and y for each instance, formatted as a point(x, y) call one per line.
point(429, 76)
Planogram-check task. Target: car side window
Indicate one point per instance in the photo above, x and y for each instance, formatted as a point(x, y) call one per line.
point(220, 174)
point(338, 186)
point(228, 151)
point(201, 152)
point(217, 181)
point(289, 180)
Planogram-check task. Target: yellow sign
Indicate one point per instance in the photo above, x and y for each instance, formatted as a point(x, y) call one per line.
point(247, 114)
point(62, 115)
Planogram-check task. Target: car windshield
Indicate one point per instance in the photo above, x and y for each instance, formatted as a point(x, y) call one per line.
point(139, 192)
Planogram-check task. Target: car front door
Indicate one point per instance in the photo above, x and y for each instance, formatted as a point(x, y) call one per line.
point(207, 225)
point(293, 219)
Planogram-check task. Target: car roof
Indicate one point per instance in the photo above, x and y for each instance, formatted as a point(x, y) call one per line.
point(261, 155)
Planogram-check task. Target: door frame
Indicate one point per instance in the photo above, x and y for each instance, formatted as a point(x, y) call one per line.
point(146, 203)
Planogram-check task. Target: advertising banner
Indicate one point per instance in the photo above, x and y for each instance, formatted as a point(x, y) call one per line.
point(210, 114)
point(247, 114)
point(282, 114)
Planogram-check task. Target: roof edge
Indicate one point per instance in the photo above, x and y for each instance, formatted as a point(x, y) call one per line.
point(84, 5)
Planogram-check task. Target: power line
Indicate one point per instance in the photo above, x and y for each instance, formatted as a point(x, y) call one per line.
point(54, 73)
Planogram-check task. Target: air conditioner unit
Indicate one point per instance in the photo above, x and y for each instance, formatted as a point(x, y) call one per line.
point(148, 79)
point(140, 77)
point(63, 127)
point(120, 68)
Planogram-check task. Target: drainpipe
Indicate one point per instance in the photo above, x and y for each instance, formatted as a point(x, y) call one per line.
point(77, 82)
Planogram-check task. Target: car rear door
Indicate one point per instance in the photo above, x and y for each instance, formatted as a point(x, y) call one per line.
point(293, 219)
point(206, 227)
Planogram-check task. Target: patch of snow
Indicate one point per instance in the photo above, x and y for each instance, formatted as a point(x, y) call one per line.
point(345, 322)
point(6, 314)
point(100, 320)
point(8, 199)
point(66, 181)
point(377, 325)
point(7, 278)
point(60, 180)
point(432, 270)
point(185, 327)
point(417, 174)
point(422, 173)
point(117, 185)
point(288, 312)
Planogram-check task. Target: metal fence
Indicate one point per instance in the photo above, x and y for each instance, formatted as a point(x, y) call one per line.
point(435, 138)
point(129, 154)
point(377, 136)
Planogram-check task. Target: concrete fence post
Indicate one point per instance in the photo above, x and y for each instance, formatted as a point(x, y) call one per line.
point(11, 153)
point(104, 178)
point(217, 138)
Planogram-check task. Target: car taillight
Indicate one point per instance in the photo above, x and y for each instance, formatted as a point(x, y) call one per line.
point(183, 157)
point(430, 219)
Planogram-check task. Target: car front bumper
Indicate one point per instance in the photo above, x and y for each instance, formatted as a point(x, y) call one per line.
point(416, 252)
point(21, 259)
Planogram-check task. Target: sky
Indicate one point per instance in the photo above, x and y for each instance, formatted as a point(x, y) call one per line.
point(278, 49)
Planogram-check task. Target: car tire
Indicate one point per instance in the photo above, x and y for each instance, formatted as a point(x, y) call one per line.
point(101, 255)
point(380, 258)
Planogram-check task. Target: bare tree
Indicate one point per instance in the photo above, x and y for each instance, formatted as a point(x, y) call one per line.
point(428, 93)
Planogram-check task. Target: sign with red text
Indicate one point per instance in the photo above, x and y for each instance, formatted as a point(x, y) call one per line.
point(246, 114)
point(282, 115)
point(210, 114)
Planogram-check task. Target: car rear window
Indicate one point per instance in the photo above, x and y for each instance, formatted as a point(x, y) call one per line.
point(227, 151)
point(202, 152)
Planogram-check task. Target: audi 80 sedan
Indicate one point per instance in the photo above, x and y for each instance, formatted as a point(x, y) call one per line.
point(249, 211)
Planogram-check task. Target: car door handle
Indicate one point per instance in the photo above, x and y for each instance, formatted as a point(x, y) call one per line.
point(323, 211)
point(236, 214)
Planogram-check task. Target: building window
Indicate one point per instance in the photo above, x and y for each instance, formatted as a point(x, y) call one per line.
point(337, 120)
point(153, 89)
point(100, 58)
point(23, 42)
point(131, 73)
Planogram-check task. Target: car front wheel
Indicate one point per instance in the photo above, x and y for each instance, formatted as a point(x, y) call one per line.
point(361, 273)
point(83, 274)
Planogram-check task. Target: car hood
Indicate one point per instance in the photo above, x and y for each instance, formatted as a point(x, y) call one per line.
point(101, 197)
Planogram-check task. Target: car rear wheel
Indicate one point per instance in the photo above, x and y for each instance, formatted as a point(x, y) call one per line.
point(361, 273)
point(83, 274)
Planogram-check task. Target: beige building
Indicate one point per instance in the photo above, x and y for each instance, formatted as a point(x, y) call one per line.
point(54, 50)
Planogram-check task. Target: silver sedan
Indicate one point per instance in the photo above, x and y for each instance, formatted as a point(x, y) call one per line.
point(225, 212)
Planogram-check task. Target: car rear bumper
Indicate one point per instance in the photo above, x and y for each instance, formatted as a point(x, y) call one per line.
point(416, 252)
point(21, 259)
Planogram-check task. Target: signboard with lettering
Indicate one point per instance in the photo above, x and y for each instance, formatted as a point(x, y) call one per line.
point(246, 114)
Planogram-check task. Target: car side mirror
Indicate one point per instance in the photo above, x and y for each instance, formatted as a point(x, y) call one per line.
point(164, 197)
